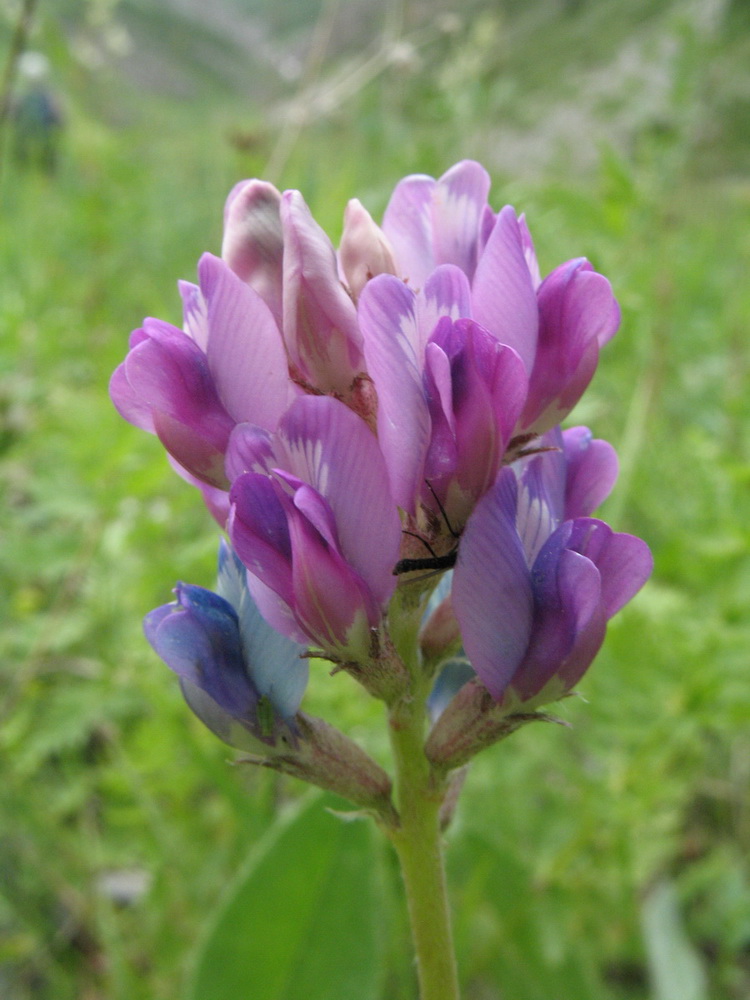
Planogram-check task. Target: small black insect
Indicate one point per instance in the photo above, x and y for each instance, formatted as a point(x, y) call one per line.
point(428, 562)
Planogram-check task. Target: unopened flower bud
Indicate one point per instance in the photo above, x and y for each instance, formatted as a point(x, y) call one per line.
point(325, 757)
point(253, 243)
point(471, 722)
point(365, 250)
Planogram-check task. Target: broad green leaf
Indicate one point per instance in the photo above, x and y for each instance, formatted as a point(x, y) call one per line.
point(301, 919)
point(675, 968)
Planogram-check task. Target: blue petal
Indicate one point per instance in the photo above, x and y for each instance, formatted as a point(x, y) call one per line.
point(451, 679)
point(438, 595)
point(243, 734)
point(199, 638)
point(273, 661)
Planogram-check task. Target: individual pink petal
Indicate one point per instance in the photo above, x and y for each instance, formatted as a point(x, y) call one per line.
point(331, 602)
point(577, 313)
point(317, 511)
point(407, 223)
point(458, 202)
point(245, 352)
point(169, 375)
point(488, 398)
point(364, 251)
point(250, 449)
point(195, 318)
point(185, 442)
point(442, 455)
point(395, 358)
point(503, 295)
point(259, 530)
point(127, 401)
point(430, 222)
point(592, 469)
point(320, 320)
point(446, 293)
point(253, 244)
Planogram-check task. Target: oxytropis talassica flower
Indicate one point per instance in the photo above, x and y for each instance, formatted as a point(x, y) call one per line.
point(362, 421)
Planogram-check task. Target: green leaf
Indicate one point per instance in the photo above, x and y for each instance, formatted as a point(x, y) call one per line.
point(301, 919)
point(675, 968)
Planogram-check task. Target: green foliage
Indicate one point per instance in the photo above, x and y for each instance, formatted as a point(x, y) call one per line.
point(563, 837)
point(301, 917)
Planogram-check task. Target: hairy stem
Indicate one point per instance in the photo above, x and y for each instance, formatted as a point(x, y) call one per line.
point(418, 843)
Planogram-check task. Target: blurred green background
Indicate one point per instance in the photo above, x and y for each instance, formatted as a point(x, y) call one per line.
point(608, 861)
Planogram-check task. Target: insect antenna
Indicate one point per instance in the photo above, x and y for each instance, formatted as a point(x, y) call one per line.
point(436, 498)
point(525, 452)
point(405, 531)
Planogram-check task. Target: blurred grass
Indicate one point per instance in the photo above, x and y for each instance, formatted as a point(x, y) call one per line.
point(560, 834)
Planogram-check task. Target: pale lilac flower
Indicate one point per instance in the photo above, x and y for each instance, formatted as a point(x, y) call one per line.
point(320, 320)
point(273, 243)
point(556, 326)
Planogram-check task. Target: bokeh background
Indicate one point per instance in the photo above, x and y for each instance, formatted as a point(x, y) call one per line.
point(608, 861)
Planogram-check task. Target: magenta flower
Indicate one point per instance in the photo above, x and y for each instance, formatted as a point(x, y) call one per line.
point(449, 393)
point(314, 522)
point(192, 387)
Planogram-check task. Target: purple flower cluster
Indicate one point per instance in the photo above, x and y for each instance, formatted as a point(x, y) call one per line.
point(359, 421)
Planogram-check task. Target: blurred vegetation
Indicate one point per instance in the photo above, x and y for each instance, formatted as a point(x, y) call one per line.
point(583, 861)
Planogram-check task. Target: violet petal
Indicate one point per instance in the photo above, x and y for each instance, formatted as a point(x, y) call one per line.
point(503, 295)
point(245, 352)
point(492, 596)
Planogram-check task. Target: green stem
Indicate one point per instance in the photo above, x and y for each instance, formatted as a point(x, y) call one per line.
point(418, 843)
